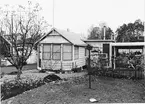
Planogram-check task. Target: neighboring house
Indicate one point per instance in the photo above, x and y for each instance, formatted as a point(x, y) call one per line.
point(100, 46)
point(61, 50)
point(4, 51)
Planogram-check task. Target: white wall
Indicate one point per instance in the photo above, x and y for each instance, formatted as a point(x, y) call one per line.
point(33, 57)
point(82, 58)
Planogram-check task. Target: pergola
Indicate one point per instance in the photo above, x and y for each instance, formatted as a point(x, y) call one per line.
point(114, 47)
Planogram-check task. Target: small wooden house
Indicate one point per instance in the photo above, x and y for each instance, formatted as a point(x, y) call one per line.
point(60, 50)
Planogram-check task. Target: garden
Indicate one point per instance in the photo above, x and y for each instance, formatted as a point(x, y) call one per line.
point(128, 66)
point(75, 90)
point(30, 79)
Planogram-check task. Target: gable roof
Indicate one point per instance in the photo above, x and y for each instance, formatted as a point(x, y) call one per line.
point(73, 38)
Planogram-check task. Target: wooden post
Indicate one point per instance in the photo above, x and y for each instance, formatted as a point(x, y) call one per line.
point(89, 47)
point(114, 58)
point(89, 69)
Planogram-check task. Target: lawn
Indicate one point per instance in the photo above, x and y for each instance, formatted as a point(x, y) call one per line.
point(9, 69)
point(75, 90)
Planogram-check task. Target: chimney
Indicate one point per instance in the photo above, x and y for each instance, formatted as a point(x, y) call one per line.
point(104, 32)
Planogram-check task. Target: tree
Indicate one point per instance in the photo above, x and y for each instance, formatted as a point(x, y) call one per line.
point(130, 32)
point(23, 26)
point(98, 32)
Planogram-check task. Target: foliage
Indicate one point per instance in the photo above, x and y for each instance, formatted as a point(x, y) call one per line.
point(130, 61)
point(15, 87)
point(130, 32)
point(98, 32)
point(22, 27)
point(51, 77)
point(77, 69)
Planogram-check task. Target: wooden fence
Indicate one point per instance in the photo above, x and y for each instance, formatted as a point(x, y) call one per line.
point(120, 73)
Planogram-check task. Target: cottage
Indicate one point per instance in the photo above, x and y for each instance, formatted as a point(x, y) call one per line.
point(60, 50)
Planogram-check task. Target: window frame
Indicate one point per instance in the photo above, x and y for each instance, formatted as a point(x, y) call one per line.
point(44, 58)
point(76, 52)
point(71, 52)
point(56, 52)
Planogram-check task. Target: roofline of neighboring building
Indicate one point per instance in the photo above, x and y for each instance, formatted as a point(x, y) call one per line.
point(128, 44)
point(94, 40)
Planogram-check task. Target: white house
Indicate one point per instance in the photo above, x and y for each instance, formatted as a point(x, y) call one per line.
point(61, 50)
point(3, 40)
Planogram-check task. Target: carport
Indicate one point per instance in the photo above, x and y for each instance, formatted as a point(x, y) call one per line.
point(114, 50)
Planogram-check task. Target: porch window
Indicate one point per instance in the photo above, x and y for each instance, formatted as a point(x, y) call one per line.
point(56, 52)
point(67, 52)
point(46, 51)
point(76, 53)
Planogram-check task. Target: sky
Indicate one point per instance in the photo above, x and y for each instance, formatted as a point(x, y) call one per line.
point(79, 15)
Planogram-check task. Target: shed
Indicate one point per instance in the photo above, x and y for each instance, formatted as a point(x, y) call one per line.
point(60, 49)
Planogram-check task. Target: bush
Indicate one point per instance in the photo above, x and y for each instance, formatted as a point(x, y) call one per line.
point(76, 70)
point(50, 78)
point(84, 67)
point(43, 71)
point(15, 87)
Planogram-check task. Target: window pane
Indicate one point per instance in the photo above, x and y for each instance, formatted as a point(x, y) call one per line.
point(57, 56)
point(46, 56)
point(67, 48)
point(47, 48)
point(76, 52)
point(56, 48)
point(67, 56)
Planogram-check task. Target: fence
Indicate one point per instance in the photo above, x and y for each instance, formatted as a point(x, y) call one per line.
point(119, 73)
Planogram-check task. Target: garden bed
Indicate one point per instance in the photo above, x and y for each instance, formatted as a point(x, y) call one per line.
point(75, 90)
point(29, 80)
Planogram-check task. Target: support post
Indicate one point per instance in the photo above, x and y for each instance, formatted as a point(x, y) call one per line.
point(89, 47)
point(89, 69)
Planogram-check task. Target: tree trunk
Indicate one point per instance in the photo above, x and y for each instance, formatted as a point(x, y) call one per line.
point(19, 73)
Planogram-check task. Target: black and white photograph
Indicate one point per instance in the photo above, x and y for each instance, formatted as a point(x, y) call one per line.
point(72, 51)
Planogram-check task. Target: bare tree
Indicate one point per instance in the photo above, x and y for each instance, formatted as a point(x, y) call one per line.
point(24, 26)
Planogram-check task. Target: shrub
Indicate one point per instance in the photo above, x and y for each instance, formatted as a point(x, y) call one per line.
point(15, 87)
point(50, 78)
point(76, 69)
point(43, 71)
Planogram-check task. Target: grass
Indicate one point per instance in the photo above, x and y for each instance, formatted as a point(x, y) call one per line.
point(9, 69)
point(75, 90)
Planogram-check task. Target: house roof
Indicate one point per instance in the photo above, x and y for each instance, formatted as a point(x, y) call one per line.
point(128, 44)
point(73, 38)
point(96, 40)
